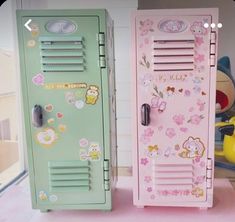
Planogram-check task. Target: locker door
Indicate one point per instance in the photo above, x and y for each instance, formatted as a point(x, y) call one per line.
point(63, 87)
point(173, 106)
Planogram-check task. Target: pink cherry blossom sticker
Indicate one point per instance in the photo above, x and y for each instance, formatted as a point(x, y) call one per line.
point(83, 142)
point(170, 132)
point(184, 129)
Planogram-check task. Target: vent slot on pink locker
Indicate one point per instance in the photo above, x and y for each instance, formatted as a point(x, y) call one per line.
point(173, 55)
point(173, 175)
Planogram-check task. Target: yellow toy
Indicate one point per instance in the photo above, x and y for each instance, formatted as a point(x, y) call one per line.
point(227, 128)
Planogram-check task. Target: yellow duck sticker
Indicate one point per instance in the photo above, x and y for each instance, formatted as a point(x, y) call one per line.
point(92, 95)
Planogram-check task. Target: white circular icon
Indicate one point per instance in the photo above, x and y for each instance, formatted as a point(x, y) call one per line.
point(219, 25)
point(212, 25)
point(206, 25)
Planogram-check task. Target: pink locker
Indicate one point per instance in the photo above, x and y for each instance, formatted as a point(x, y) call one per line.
point(174, 78)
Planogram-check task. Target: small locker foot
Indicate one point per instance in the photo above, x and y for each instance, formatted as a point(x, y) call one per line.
point(140, 206)
point(44, 210)
point(203, 208)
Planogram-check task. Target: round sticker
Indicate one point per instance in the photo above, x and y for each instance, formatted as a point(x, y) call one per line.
point(53, 198)
point(79, 104)
point(31, 43)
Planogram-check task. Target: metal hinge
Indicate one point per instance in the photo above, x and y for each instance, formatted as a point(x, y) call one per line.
point(212, 48)
point(209, 173)
point(106, 175)
point(101, 42)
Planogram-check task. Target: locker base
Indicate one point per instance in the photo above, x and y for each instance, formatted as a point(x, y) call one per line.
point(140, 206)
point(203, 208)
point(44, 210)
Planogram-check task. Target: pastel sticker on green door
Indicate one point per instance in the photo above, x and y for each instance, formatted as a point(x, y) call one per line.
point(92, 95)
point(47, 137)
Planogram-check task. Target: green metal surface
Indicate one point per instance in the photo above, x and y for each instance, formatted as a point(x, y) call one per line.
point(61, 176)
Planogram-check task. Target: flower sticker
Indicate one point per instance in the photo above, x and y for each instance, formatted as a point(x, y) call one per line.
point(195, 119)
point(170, 132)
point(187, 92)
point(146, 26)
point(38, 79)
point(47, 137)
point(144, 161)
point(149, 189)
point(144, 139)
point(178, 119)
point(83, 142)
point(184, 129)
point(197, 192)
point(42, 195)
point(149, 132)
point(62, 128)
point(199, 57)
point(147, 179)
point(199, 41)
point(146, 136)
point(31, 43)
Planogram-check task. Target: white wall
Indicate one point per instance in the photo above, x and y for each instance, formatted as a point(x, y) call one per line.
point(226, 17)
point(6, 24)
point(120, 12)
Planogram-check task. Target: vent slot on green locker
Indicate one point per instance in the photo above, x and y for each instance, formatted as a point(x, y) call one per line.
point(69, 175)
point(62, 54)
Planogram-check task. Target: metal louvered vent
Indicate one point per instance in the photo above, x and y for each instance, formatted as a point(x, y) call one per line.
point(69, 176)
point(173, 55)
point(62, 54)
point(174, 175)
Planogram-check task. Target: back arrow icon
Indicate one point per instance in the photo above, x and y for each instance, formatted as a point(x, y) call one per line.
point(27, 25)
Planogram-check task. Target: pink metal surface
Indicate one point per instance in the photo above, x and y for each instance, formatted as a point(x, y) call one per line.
point(173, 154)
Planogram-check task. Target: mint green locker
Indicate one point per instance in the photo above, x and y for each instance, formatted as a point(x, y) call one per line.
point(68, 88)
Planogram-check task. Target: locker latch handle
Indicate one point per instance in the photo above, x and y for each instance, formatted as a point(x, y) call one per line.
point(145, 114)
point(37, 117)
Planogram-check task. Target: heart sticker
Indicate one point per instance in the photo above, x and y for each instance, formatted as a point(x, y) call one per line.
point(59, 115)
point(203, 93)
point(181, 90)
